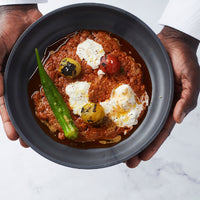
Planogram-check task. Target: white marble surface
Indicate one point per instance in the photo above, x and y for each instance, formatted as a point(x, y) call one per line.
point(173, 173)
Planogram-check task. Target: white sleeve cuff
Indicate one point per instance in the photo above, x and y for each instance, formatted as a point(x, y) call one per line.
point(183, 16)
point(13, 2)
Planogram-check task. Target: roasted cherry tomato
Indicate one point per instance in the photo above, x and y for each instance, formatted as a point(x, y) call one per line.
point(69, 67)
point(92, 113)
point(110, 64)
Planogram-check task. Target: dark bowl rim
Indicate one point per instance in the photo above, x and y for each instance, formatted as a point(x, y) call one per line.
point(77, 5)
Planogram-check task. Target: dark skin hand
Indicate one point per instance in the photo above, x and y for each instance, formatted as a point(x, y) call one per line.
point(182, 52)
point(13, 21)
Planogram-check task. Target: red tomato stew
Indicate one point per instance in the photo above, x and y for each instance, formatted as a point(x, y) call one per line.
point(104, 83)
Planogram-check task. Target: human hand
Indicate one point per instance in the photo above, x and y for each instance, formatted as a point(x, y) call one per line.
point(13, 21)
point(182, 52)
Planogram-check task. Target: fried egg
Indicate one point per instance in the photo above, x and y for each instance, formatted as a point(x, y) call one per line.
point(90, 51)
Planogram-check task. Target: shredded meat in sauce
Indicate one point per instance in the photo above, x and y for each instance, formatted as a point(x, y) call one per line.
point(100, 89)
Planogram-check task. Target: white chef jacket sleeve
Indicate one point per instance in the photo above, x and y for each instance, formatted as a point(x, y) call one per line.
point(12, 2)
point(183, 15)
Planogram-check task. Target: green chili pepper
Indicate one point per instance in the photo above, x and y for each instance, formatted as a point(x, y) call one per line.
point(56, 102)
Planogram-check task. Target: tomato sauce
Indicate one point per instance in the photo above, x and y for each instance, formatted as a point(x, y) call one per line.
point(135, 73)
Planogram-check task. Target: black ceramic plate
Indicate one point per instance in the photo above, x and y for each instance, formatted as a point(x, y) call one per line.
point(57, 24)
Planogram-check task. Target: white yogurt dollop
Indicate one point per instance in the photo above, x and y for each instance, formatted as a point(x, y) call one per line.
point(123, 107)
point(91, 51)
point(78, 95)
